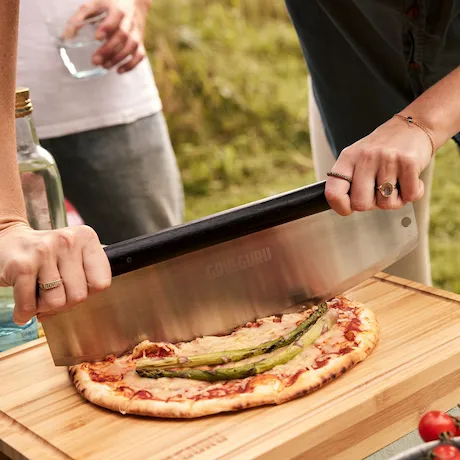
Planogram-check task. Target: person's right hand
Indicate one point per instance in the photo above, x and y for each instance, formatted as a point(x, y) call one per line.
point(73, 255)
point(122, 30)
point(395, 152)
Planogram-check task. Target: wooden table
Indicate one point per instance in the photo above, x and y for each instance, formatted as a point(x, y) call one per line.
point(415, 368)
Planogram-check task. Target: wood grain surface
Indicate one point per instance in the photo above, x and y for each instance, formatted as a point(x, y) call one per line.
point(415, 367)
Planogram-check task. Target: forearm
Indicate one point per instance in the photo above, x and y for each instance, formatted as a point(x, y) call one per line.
point(11, 198)
point(438, 108)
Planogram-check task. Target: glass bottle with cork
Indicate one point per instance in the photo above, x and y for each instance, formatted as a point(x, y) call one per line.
point(45, 207)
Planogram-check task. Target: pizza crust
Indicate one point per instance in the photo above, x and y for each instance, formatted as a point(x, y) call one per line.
point(104, 396)
point(264, 389)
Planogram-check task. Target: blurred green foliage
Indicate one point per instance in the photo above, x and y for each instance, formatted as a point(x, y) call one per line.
point(233, 85)
point(234, 88)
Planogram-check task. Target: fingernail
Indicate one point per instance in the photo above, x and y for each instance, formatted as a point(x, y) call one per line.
point(97, 60)
point(100, 35)
point(19, 322)
point(108, 64)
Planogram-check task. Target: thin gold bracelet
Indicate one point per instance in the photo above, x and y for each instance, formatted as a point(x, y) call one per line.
point(411, 121)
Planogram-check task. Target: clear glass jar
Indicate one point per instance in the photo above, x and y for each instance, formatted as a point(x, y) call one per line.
point(45, 206)
point(12, 335)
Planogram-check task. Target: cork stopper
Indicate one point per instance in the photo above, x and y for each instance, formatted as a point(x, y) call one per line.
point(23, 103)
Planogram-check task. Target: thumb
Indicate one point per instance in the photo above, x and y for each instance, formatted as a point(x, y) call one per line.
point(421, 190)
point(76, 21)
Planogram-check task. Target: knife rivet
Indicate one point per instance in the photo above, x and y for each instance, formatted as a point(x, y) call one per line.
point(406, 221)
point(129, 260)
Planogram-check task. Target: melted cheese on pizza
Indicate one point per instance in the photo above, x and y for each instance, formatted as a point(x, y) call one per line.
point(120, 374)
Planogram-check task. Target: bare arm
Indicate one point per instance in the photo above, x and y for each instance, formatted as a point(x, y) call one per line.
point(27, 256)
point(438, 108)
point(11, 200)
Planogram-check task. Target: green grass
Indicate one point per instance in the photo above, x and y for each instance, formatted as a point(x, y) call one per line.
point(445, 220)
point(233, 83)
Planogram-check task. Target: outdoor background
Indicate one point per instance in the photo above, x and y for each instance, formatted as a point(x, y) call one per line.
point(234, 88)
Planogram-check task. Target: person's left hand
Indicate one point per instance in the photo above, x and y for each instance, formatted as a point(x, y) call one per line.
point(395, 152)
point(122, 31)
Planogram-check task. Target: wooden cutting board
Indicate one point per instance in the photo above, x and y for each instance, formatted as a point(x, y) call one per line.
point(415, 368)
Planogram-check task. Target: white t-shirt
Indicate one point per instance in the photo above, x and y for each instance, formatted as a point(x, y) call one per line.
point(63, 104)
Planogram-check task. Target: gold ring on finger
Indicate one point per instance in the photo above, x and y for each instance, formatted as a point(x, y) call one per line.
point(51, 285)
point(387, 188)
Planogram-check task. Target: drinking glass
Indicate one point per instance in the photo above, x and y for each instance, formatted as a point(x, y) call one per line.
point(77, 53)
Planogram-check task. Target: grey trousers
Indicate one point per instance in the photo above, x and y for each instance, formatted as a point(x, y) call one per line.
point(123, 180)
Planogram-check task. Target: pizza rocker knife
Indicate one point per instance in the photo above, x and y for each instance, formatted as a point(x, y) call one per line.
point(211, 275)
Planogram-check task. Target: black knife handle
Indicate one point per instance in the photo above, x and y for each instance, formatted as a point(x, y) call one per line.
point(254, 217)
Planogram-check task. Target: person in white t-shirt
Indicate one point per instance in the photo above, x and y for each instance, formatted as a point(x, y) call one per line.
point(108, 133)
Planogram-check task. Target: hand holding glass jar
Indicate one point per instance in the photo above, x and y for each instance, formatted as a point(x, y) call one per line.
point(120, 30)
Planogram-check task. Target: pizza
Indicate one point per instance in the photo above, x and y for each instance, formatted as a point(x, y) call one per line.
point(268, 361)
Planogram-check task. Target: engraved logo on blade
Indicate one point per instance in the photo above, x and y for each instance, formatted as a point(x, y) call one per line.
point(238, 263)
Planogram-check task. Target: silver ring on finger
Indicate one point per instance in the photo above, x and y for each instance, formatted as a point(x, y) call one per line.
point(50, 285)
point(340, 176)
point(387, 188)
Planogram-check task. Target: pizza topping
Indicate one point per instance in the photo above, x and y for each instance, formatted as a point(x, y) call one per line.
point(288, 381)
point(309, 358)
point(164, 389)
point(243, 337)
point(345, 350)
point(337, 302)
point(354, 325)
point(230, 388)
point(105, 376)
point(153, 350)
point(218, 392)
point(350, 335)
point(223, 357)
point(341, 305)
point(186, 379)
point(319, 363)
point(246, 370)
point(262, 380)
point(127, 392)
point(142, 394)
point(254, 324)
point(326, 348)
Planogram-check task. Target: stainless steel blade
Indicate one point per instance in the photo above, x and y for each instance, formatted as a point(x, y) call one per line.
point(215, 289)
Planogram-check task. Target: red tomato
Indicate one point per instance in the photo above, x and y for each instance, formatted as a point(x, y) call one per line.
point(457, 420)
point(434, 423)
point(446, 452)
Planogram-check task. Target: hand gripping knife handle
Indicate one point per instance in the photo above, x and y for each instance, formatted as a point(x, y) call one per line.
point(225, 226)
point(208, 276)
